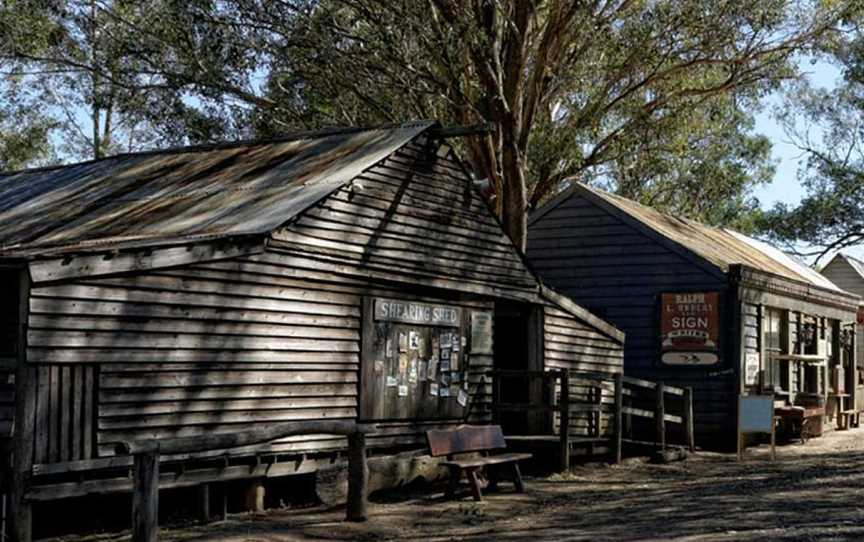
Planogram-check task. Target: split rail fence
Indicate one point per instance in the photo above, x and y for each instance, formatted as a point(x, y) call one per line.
point(604, 404)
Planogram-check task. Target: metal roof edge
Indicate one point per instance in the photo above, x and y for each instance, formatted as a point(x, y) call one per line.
point(736, 270)
point(217, 145)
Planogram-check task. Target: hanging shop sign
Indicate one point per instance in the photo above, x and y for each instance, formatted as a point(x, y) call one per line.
point(410, 312)
point(690, 328)
point(415, 361)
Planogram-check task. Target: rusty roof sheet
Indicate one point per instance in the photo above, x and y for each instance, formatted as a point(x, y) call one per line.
point(184, 194)
point(721, 247)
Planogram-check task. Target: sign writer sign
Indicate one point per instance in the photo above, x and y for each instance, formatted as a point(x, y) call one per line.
point(690, 328)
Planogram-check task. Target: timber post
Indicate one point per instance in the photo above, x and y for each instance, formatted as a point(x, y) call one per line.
point(23, 429)
point(618, 436)
point(358, 478)
point(688, 419)
point(222, 504)
point(145, 497)
point(660, 416)
point(203, 503)
point(564, 429)
point(255, 494)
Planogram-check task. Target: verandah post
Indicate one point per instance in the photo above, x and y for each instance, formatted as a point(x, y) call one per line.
point(564, 407)
point(618, 422)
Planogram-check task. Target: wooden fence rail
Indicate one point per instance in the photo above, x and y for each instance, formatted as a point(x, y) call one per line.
point(625, 389)
point(145, 496)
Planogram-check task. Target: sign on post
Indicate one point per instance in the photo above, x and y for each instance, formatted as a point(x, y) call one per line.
point(755, 415)
point(690, 328)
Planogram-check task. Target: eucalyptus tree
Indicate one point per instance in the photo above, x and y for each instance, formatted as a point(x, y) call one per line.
point(605, 91)
point(652, 98)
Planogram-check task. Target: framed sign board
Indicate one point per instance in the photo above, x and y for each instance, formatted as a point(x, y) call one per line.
point(755, 415)
point(751, 369)
point(481, 332)
point(690, 328)
point(414, 361)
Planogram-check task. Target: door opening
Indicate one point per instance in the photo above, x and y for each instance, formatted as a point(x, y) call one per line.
point(518, 347)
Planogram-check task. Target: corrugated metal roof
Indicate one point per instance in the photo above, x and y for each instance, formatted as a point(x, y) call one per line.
point(721, 247)
point(192, 193)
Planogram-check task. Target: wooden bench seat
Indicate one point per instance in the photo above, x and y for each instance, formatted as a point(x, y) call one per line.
point(475, 439)
point(486, 460)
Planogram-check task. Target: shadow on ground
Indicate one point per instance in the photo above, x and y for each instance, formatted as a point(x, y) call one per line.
point(810, 493)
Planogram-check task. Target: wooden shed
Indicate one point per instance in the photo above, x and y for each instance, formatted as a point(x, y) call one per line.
point(703, 307)
point(847, 272)
point(341, 275)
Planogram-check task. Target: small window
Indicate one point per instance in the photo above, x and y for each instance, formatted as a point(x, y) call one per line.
point(9, 311)
point(772, 339)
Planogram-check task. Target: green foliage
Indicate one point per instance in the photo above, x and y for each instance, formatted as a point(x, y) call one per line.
point(651, 99)
point(831, 215)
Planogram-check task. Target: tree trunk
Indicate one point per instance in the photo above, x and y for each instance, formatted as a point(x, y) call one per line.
point(514, 193)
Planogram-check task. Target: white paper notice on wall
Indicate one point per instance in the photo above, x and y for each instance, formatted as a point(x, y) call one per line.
point(462, 398)
point(751, 369)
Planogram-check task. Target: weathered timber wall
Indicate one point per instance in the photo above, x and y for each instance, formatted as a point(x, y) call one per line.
point(206, 348)
point(7, 402)
point(412, 218)
point(571, 344)
point(840, 272)
point(274, 337)
point(618, 272)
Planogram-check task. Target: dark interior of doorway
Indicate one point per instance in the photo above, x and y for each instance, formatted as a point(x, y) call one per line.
point(516, 336)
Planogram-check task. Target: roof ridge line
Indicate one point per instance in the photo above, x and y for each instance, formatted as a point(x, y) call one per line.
point(228, 144)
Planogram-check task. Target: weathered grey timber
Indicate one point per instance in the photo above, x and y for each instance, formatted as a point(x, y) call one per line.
point(207, 290)
point(145, 493)
point(616, 257)
point(847, 272)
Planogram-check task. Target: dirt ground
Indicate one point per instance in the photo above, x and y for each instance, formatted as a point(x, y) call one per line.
point(812, 492)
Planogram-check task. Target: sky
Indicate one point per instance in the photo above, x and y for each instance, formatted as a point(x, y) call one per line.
point(785, 186)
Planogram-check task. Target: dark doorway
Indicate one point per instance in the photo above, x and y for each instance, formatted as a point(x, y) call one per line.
point(518, 347)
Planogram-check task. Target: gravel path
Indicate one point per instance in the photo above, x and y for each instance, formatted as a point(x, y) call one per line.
point(813, 492)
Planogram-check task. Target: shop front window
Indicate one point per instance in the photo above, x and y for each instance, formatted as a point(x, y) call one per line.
point(772, 339)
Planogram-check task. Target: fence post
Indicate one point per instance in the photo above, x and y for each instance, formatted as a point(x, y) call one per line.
point(564, 430)
point(358, 478)
point(203, 503)
point(145, 498)
point(688, 419)
point(618, 436)
point(660, 416)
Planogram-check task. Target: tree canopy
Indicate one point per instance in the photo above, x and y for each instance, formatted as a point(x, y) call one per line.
point(654, 100)
point(828, 126)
